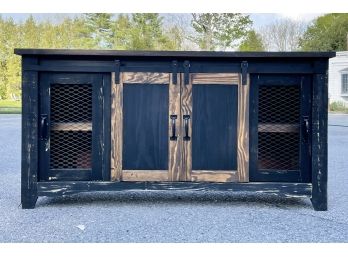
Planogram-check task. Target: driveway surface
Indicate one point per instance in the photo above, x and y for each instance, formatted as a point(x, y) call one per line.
point(172, 216)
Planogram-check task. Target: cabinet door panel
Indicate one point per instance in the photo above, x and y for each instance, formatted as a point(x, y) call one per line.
point(73, 126)
point(217, 147)
point(143, 103)
point(280, 124)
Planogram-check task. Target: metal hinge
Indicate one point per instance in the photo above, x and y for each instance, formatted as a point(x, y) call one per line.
point(244, 68)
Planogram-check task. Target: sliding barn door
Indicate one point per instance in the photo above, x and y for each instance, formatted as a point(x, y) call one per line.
point(145, 122)
point(215, 127)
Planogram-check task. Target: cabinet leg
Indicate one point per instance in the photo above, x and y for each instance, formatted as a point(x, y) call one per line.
point(28, 200)
point(319, 203)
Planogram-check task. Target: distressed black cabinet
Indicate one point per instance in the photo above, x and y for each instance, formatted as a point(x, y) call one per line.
point(119, 120)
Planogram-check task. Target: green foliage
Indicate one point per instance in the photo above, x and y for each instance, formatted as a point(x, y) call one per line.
point(98, 26)
point(252, 42)
point(338, 107)
point(221, 30)
point(10, 106)
point(327, 33)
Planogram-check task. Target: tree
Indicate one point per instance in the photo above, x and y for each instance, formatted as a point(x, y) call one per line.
point(282, 35)
point(221, 30)
point(327, 33)
point(99, 27)
point(252, 42)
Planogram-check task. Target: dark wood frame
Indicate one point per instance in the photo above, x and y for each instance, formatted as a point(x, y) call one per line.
point(35, 61)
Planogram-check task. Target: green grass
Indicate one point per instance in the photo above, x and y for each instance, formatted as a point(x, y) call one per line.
point(338, 107)
point(10, 107)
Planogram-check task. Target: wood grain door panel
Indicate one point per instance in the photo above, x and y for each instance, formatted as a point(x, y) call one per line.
point(217, 104)
point(141, 147)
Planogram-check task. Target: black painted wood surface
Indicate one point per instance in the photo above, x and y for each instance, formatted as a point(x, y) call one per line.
point(282, 189)
point(30, 159)
point(214, 127)
point(145, 126)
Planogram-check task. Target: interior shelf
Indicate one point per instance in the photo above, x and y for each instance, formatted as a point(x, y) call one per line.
point(72, 126)
point(278, 127)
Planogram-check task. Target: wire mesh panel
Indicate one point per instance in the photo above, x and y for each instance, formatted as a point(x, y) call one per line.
point(71, 127)
point(71, 150)
point(71, 103)
point(278, 128)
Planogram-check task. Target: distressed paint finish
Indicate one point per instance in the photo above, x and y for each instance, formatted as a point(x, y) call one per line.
point(116, 128)
point(145, 175)
point(174, 158)
point(243, 130)
point(30, 112)
point(72, 187)
point(319, 142)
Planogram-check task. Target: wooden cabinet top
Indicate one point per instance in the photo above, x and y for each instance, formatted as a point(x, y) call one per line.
point(176, 54)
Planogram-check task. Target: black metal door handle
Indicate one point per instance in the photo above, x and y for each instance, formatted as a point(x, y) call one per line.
point(43, 127)
point(186, 125)
point(173, 118)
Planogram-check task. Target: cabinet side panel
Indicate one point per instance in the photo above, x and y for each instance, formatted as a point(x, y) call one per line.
point(30, 107)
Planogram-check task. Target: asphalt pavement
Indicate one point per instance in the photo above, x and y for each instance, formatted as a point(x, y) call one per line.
point(164, 216)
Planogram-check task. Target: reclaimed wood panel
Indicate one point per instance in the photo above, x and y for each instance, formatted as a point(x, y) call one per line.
point(145, 175)
point(243, 130)
point(146, 77)
point(215, 78)
point(174, 158)
point(186, 109)
point(116, 128)
point(214, 176)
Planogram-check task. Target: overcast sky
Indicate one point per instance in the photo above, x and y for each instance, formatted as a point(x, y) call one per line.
point(259, 19)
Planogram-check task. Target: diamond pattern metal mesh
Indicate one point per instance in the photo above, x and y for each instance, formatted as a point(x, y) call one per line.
point(279, 104)
point(279, 120)
point(279, 151)
point(71, 103)
point(71, 127)
point(71, 150)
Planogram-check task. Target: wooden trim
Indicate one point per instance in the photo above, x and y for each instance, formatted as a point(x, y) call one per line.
point(145, 175)
point(174, 158)
point(319, 142)
point(279, 128)
point(146, 77)
point(116, 128)
point(273, 188)
point(243, 130)
point(214, 176)
point(30, 140)
point(72, 126)
point(186, 109)
point(215, 78)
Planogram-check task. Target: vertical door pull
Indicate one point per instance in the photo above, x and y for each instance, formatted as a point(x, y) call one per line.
point(173, 118)
point(186, 125)
point(43, 127)
point(186, 72)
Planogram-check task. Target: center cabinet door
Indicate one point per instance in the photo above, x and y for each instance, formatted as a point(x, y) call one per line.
point(145, 120)
point(215, 126)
